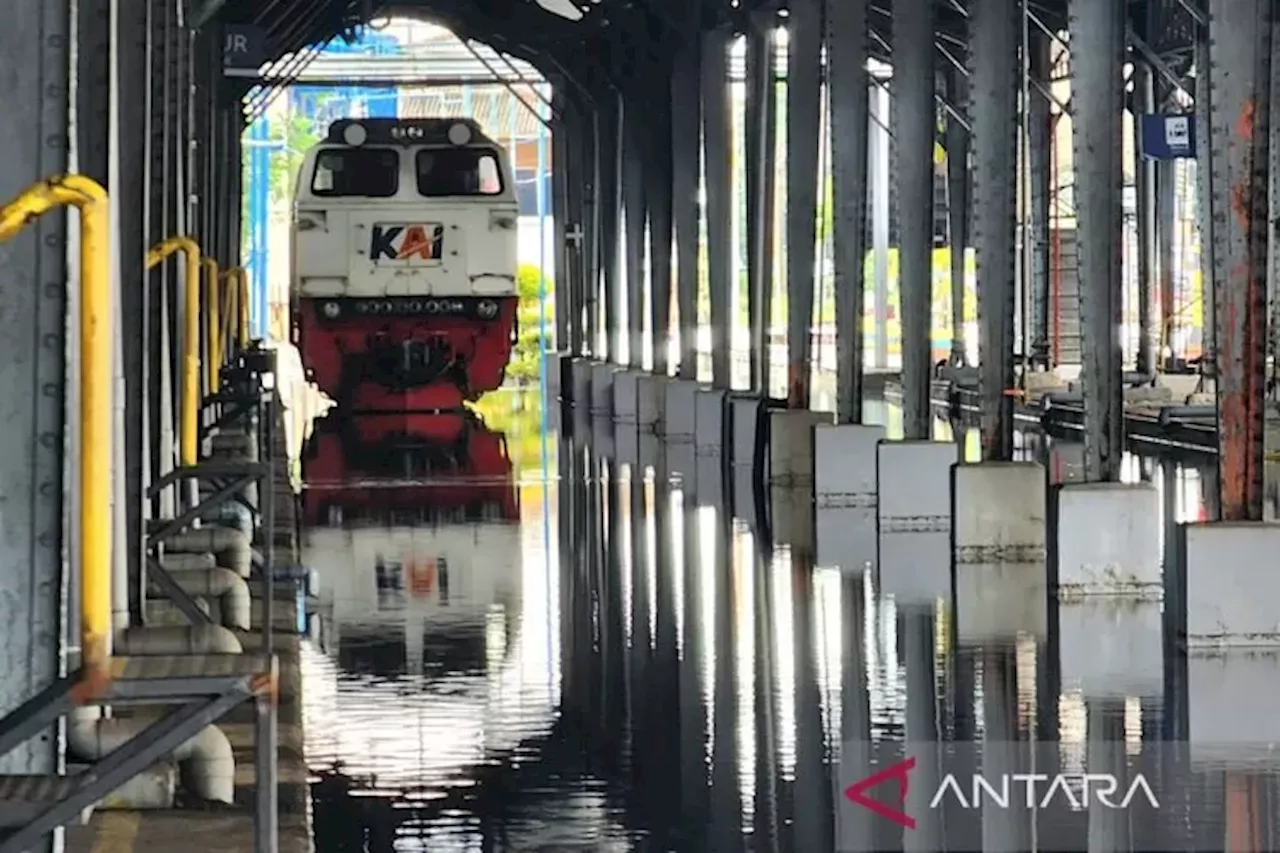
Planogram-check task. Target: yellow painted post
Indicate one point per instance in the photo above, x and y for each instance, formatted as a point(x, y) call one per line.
point(94, 476)
point(242, 308)
point(213, 325)
point(189, 434)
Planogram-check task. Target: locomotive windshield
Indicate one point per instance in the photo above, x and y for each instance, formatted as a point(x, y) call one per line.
point(367, 172)
point(458, 172)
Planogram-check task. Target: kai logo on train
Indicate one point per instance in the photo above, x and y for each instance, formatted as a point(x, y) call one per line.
point(407, 242)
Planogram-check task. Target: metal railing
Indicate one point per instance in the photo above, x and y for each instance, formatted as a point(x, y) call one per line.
point(198, 689)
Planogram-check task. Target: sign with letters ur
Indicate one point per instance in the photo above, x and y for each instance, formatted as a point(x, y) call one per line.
point(244, 50)
point(1168, 137)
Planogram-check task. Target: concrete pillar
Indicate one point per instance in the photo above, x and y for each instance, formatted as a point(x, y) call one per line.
point(761, 144)
point(686, 135)
point(34, 85)
point(1097, 45)
point(717, 151)
point(1144, 101)
point(609, 124)
point(915, 124)
point(635, 151)
point(959, 212)
point(849, 95)
point(804, 49)
point(995, 32)
point(1240, 33)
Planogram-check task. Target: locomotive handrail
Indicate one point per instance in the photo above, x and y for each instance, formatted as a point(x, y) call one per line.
point(96, 401)
point(212, 325)
point(189, 444)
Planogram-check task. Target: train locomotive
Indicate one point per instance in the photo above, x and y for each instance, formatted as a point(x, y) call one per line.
point(405, 239)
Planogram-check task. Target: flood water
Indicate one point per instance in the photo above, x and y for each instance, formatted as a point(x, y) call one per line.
point(528, 644)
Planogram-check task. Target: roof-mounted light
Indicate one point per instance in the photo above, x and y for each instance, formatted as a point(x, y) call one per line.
point(354, 134)
point(459, 133)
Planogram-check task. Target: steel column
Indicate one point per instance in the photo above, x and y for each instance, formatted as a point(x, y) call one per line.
point(591, 229)
point(804, 49)
point(635, 209)
point(131, 86)
point(717, 154)
point(686, 135)
point(577, 151)
point(760, 122)
point(848, 92)
point(34, 86)
point(609, 126)
point(1166, 225)
point(1097, 45)
point(567, 313)
point(93, 87)
point(1204, 212)
point(958, 213)
point(658, 193)
point(1240, 138)
point(1144, 101)
point(994, 38)
point(915, 123)
point(1040, 141)
point(878, 199)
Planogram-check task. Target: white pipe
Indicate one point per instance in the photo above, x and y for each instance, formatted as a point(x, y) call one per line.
point(207, 763)
point(225, 585)
point(231, 547)
point(178, 640)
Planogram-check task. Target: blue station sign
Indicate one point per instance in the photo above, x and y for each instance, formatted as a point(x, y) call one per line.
point(1168, 137)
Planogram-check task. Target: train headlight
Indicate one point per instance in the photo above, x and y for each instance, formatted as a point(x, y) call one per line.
point(459, 134)
point(487, 309)
point(354, 134)
point(332, 310)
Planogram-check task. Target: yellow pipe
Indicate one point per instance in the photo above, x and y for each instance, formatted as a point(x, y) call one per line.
point(95, 405)
point(189, 443)
point(213, 325)
point(226, 320)
point(242, 308)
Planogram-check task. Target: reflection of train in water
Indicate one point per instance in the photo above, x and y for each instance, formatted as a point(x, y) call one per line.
point(412, 520)
point(438, 623)
point(404, 279)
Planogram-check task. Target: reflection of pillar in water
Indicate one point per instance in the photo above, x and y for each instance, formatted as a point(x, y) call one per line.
point(693, 716)
point(664, 678)
point(813, 804)
point(1247, 811)
point(1004, 830)
point(856, 826)
point(726, 821)
point(766, 710)
point(916, 644)
point(1109, 828)
point(613, 640)
point(638, 695)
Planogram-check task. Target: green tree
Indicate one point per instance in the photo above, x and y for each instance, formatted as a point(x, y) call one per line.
point(526, 357)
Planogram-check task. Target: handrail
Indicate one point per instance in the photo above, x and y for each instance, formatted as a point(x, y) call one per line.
point(96, 400)
point(212, 326)
point(189, 444)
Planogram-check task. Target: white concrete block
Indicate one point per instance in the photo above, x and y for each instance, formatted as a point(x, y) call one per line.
point(1231, 712)
point(744, 427)
point(998, 512)
point(680, 461)
point(996, 603)
point(626, 397)
point(708, 422)
point(792, 519)
point(1111, 647)
point(844, 468)
point(913, 511)
point(678, 415)
point(709, 480)
point(791, 446)
point(650, 394)
point(580, 371)
point(1232, 584)
point(743, 495)
point(602, 437)
point(846, 538)
point(1108, 540)
point(648, 451)
point(602, 389)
